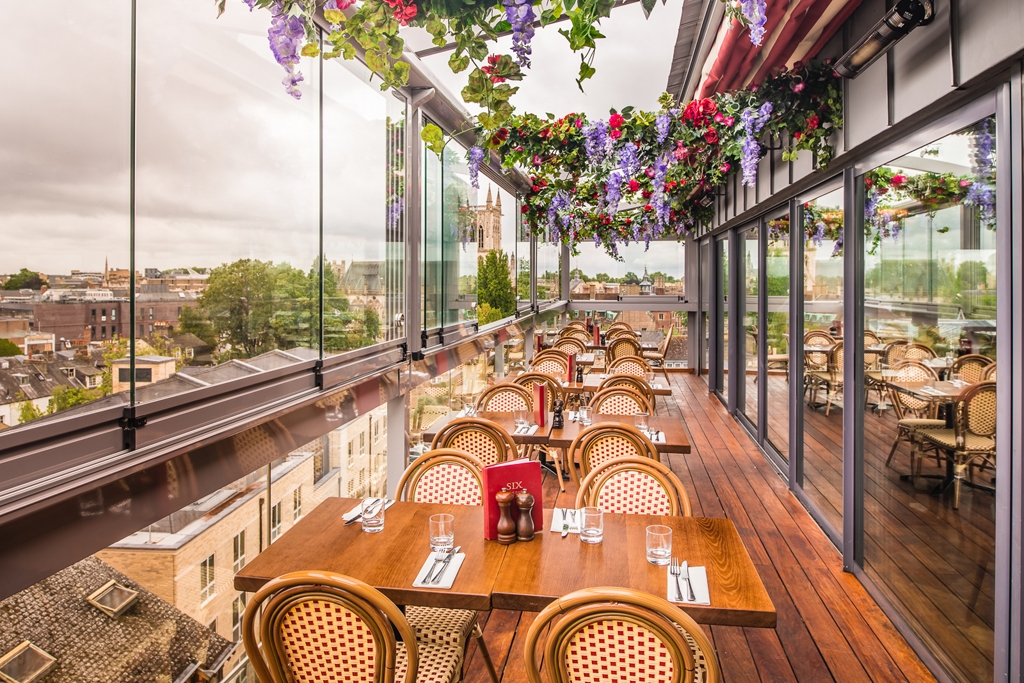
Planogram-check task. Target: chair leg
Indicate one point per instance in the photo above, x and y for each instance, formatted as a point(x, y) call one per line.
point(558, 458)
point(895, 445)
point(478, 635)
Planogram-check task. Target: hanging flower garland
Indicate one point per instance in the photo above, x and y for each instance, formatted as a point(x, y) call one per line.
point(638, 176)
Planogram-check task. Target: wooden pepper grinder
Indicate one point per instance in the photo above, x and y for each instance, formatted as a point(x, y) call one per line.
point(506, 525)
point(525, 502)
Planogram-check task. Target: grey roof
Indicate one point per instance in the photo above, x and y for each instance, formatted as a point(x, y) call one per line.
point(688, 40)
point(362, 276)
point(40, 377)
point(151, 641)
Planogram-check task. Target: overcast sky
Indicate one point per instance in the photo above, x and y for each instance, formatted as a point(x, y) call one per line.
point(226, 161)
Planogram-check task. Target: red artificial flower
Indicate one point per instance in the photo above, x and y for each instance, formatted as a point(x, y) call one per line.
point(406, 14)
point(812, 121)
point(692, 111)
point(615, 134)
point(797, 135)
point(502, 134)
point(633, 185)
point(708, 107)
point(897, 180)
point(525, 209)
point(646, 194)
point(616, 121)
point(711, 136)
point(492, 59)
point(536, 188)
point(629, 221)
point(648, 207)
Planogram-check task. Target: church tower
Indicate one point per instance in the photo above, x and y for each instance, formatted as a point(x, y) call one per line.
point(488, 224)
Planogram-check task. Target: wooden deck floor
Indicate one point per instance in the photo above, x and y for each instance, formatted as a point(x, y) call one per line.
point(829, 628)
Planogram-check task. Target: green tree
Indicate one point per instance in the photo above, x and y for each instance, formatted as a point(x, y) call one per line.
point(485, 314)
point(495, 285)
point(24, 279)
point(27, 411)
point(239, 302)
point(9, 348)
point(603, 277)
point(114, 349)
point(523, 280)
point(630, 278)
point(577, 274)
point(193, 321)
point(371, 327)
point(69, 397)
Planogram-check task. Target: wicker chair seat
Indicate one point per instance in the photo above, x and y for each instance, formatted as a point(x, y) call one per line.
point(437, 626)
point(438, 663)
point(921, 423)
point(946, 438)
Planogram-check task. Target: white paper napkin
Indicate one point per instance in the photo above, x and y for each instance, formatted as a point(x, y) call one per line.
point(657, 438)
point(573, 416)
point(656, 385)
point(565, 383)
point(449, 574)
point(572, 518)
point(461, 413)
point(358, 508)
point(699, 583)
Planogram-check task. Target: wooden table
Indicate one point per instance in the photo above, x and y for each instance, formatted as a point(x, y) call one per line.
point(536, 573)
point(523, 576)
point(390, 560)
point(505, 420)
point(675, 435)
point(945, 392)
point(593, 380)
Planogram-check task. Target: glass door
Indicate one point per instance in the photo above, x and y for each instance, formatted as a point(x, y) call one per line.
point(749, 270)
point(703, 320)
point(776, 331)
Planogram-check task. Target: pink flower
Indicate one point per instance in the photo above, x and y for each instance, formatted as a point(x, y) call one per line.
point(719, 117)
point(724, 168)
point(616, 121)
point(615, 134)
point(649, 171)
point(633, 185)
point(799, 87)
point(579, 123)
point(898, 180)
point(729, 120)
point(537, 160)
point(966, 183)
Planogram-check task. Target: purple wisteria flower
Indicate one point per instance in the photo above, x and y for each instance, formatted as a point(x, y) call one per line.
point(982, 192)
point(395, 210)
point(661, 124)
point(613, 190)
point(286, 35)
point(597, 142)
point(520, 14)
point(755, 14)
point(475, 157)
point(659, 200)
point(753, 122)
point(560, 203)
point(250, 3)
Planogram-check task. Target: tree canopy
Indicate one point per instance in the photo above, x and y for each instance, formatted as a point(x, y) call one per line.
point(9, 348)
point(24, 279)
point(495, 287)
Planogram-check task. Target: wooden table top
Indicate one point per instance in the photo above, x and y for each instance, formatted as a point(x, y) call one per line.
point(593, 380)
point(944, 391)
point(390, 560)
point(505, 420)
point(536, 573)
point(522, 576)
point(675, 435)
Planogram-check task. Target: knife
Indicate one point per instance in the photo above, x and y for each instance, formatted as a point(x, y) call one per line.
point(685, 573)
point(444, 565)
point(359, 515)
point(565, 524)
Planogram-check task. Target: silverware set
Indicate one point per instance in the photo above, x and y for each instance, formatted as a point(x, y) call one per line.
point(567, 521)
point(443, 562)
point(682, 571)
point(372, 510)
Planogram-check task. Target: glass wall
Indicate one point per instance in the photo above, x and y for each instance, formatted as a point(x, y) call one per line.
point(748, 312)
point(548, 268)
point(64, 209)
point(432, 263)
point(722, 293)
point(459, 245)
point(596, 275)
point(777, 332)
point(823, 353)
point(524, 262)
point(930, 300)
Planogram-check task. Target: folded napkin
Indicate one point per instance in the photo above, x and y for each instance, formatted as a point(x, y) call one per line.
point(699, 583)
point(572, 415)
point(461, 413)
point(564, 383)
point(656, 385)
point(657, 438)
point(449, 575)
point(529, 432)
point(572, 518)
point(359, 508)
point(603, 376)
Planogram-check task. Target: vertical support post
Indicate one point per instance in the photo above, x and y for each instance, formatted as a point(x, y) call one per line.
point(713, 304)
point(564, 275)
point(533, 271)
point(414, 224)
point(735, 305)
point(762, 326)
point(796, 345)
point(397, 457)
point(270, 503)
point(499, 361)
point(693, 293)
point(853, 371)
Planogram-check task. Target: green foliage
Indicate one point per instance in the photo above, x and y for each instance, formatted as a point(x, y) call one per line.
point(523, 280)
point(630, 278)
point(69, 397)
point(9, 348)
point(495, 286)
point(192, 321)
point(24, 279)
point(27, 411)
point(114, 349)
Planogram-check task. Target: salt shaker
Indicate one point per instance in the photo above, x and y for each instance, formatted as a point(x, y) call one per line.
point(524, 529)
point(506, 525)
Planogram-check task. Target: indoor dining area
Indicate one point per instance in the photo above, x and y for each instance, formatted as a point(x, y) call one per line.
point(531, 341)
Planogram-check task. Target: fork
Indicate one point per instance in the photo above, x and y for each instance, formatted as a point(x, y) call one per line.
point(675, 570)
point(565, 524)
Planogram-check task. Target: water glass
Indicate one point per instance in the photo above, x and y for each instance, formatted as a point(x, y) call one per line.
point(586, 415)
point(649, 378)
point(467, 409)
point(640, 422)
point(373, 515)
point(955, 378)
point(591, 525)
point(519, 417)
point(442, 533)
point(659, 544)
point(930, 382)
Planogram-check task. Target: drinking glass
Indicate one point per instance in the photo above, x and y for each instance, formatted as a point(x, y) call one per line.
point(930, 382)
point(640, 422)
point(586, 415)
point(955, 378)
point(519, 417)
point(659, 544)
point(373, 515)
point(591, 525)
point(467, 409)
point(442, 533)
point(649, 378)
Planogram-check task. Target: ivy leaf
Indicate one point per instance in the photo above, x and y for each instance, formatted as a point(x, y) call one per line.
point(648, 5)
point(458, 63)
point(433, 138)
point(586, 71)
point(547, 16)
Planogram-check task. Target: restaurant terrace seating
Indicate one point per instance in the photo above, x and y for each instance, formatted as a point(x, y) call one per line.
point(622, 347)
point(504, 397)
point(989, 372)
point(637, 384)
point(912, 413)
point(570, 345)
point(630, 365)
point(488, 442)
point(637, 486)
point(556, 352)
point(830, 379)
point(577, 333)
point(601, 635)
point(604, 441)
point(319, 626)
point(619, 333)
point(443, 476)
point(552, 382)
point(971, 367)
point(918, 352)
point(551, 365)
point(657, 358)
point(972, 441)
point(619, 401)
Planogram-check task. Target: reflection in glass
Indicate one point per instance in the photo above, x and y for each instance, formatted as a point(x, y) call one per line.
point(777, 332)
point(64, 211)
point(930, 292)
point(459, 245)
point(549, 268)
point(823, 355)
point(722, 247)
point(432, 264)
point(748, 313)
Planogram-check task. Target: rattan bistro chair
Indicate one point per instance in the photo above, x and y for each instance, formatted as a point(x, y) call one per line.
point(629, 365)
point(624, 347)
point(570, 345)
point(604, 441)
point(619, 401)
point(971, 367)
point(504, 397)
point(612, 635)
point(553, 385)
point(486, 441)
point(657, 358)
point(972, 441)
point(555, 352)
point(555, 366)
point(918, 352)
point(830, 379)
point(630, 382)
point(912, 413)
point(620, 325)
point(449, 477)
point(620, 333)
point(319, 626)
point(634, 486)
point(988, 373)
point(577, 333)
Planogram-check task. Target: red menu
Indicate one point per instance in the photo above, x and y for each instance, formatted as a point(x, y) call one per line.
point(540, 341)
point(572, 367)
point(512, 476)
point(540, 403)
point(597, 334)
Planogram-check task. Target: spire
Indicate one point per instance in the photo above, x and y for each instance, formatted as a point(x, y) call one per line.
point(498, 203)
point(489, 200)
